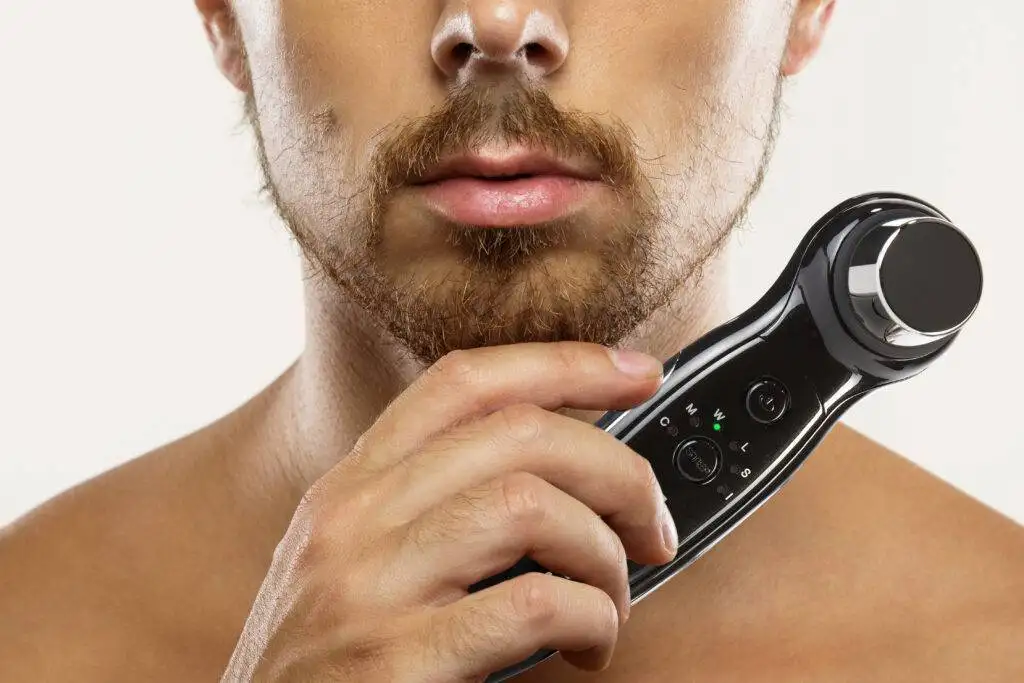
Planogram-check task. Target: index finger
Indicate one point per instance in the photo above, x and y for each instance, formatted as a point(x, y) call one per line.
point(465, 385)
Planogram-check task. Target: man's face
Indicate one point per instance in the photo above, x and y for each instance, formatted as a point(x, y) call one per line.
point(635, 134)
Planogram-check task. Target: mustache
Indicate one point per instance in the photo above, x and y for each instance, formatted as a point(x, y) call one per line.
point(509, 112)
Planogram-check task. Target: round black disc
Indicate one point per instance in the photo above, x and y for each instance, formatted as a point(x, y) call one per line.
point(931, 277)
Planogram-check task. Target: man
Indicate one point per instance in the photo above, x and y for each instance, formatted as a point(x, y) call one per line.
point(511, 211)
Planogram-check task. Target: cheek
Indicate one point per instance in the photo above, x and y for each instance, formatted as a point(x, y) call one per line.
point(693, 79)
point(363, 61)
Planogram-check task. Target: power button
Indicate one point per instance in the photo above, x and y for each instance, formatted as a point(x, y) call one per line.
point(767, 401)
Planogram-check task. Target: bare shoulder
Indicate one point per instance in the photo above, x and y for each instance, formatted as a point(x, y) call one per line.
point(101, 579)
point(894, 575)
point(915, 497)
point(954, 602)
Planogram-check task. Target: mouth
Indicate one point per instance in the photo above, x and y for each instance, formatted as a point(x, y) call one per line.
point(507, 188)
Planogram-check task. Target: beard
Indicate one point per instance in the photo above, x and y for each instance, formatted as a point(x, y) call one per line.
point(578, 278)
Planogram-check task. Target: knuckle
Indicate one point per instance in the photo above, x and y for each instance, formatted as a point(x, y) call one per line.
point(326, 512)
point(457, 368)
point(520, 499)
point(534, 599)
point(523, 421)
point(328, 531)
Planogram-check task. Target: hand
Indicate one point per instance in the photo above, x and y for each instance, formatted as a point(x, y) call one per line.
point(467, 472)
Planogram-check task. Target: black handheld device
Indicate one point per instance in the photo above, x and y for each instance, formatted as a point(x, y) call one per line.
point(876, 291)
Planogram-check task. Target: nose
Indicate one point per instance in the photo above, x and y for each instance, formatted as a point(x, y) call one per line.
point(528, 36)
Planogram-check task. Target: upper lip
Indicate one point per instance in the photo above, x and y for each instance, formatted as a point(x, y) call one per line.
point(514, 163)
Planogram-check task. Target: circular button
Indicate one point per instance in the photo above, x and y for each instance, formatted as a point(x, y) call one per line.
point(930, 278)
point(914, 283)
point(767, 401)
point(698, 459)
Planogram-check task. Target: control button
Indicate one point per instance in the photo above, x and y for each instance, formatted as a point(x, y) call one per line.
point(698, 459)
point(725, 492)
point(767, 401)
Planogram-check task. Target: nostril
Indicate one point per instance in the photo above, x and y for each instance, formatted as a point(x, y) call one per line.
point(540, 55)
point(495, 39)
point(461, 53)
point(534, 51)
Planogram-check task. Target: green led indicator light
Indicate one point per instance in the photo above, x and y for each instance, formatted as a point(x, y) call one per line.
point(718, 427)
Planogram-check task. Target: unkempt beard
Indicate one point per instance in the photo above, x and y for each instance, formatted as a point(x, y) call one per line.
point(514, 284)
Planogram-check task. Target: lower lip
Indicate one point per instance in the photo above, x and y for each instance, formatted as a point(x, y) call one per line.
point(506, 203)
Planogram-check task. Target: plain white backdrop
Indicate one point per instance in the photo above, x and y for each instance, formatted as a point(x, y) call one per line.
point(146, 290)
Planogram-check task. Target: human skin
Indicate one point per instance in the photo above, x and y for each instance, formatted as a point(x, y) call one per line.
point(234, 545)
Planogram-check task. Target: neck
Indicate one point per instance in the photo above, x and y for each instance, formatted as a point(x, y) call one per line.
point(351, 368)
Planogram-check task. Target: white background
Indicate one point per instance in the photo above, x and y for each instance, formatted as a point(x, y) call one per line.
point(145, 290)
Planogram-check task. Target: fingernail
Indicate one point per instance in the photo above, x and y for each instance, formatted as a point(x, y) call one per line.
point(668, 532)
point(636, 364)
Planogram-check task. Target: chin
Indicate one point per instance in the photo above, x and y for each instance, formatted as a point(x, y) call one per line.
point(463, 279)
point(452, 299)
point(438, 285)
